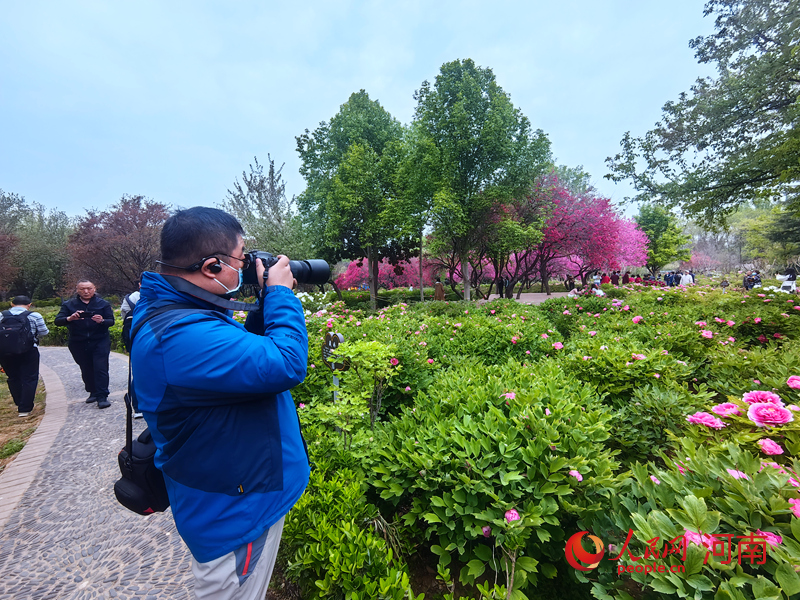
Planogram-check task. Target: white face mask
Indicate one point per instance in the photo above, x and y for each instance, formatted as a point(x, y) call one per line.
point(229, 293)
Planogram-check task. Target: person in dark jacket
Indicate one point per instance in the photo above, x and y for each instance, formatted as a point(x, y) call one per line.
point(215, 395)
point(88, 317)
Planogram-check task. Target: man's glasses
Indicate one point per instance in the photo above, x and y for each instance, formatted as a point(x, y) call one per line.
point(245, 260)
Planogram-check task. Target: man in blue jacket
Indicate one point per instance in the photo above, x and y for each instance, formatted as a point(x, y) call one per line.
point(215, 395)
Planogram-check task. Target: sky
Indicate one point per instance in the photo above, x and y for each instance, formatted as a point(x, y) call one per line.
point(173, 100)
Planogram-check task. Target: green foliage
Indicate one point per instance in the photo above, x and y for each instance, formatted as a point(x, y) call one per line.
point(466, 454)
point(734, 138)
point(331, 544)
point(349, 165)
point(485, 150)
point(11, 447)
point(272, 223)
point(666, 242)
point(705, 498)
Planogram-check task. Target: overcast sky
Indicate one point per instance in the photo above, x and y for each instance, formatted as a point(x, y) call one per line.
point(173, 99)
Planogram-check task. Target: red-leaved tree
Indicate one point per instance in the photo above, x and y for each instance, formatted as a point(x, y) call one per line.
point(112, 248)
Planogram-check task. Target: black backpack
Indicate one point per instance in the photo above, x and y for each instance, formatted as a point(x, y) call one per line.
point(141, 487)
point(127, 323)
point(16, 334)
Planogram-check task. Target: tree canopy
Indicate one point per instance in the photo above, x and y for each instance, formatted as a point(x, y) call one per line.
point(735, 137)
point(667, 243)
point(486, 150)
point(349, 164)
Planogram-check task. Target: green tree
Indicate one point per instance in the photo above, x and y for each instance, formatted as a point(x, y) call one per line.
point(733, 138)
point(487, 151)
point(41, 255)
point(12, 209)
point(349, 164)
point(666, 241)
point(269, 219)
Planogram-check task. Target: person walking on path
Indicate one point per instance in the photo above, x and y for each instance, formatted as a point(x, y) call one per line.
point(22, 329)
point(88, 317)
point(438, 291)
point(215, 395)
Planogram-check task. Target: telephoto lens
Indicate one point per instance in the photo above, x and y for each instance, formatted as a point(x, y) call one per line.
point(314, 271)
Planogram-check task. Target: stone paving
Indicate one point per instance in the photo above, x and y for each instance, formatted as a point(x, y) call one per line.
point(68, 537)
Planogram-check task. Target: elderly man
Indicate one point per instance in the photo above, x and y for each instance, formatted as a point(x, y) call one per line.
point(87, 317)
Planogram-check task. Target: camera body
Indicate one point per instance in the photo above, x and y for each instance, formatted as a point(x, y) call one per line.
point(312, 271)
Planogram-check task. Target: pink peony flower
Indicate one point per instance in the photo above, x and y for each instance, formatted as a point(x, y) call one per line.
point(731, 323)
point(703, 418)
point(508, 395)
point(793, 407)
point(762, 338)
point(757, 396)
point(301, 405)
point(701, 323)
point(655, 480)
point(681, 468)
point(769, 447)
point(706, 333)
point(394, 362)
point(793, 482)
point(699, 539)
point(408, 389)
point(547, 411)
point(726, 409)
point(626, 307)
point(737, 474)
point(731, 340)
point(487, 531)
point(638, 356)
point(793, 382)
point(491, 311)
point(512, 515)
point(773, 539)
point(576, 475)
point(430, 361)
point(594, 333)
point(558, 345)
point(636, 319)
point(587, 358)
point(795, 502)
point(544, 336)
point(313, 366)
point(757, 320)
point(657, 376)
point(766, 414)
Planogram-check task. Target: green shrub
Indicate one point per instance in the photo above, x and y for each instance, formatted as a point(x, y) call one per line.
point(483, 441)
point(707, 498)
point(332, 544)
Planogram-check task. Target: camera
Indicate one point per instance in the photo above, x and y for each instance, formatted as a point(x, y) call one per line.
point(313, 271)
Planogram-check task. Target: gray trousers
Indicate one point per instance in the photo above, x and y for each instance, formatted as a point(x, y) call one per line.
point(243, 574)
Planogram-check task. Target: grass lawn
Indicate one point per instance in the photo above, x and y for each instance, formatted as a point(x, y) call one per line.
point(15, 431)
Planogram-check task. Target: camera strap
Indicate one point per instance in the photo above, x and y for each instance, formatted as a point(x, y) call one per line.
point(134, 331)
point(181, 285)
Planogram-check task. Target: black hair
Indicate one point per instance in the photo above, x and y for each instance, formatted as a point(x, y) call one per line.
point(20, 301)
point(195, 233)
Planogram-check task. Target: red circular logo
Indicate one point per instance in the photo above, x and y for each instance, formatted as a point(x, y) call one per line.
point(575, 552)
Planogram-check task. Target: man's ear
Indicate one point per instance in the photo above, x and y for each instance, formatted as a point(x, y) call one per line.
point(211, 268)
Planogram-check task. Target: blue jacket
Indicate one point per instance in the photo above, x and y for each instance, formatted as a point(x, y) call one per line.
point(216, 398)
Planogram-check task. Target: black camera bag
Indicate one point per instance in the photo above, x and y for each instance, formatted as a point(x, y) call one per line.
point(141, 487)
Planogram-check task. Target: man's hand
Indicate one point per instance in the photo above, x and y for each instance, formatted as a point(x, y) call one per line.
point(78, 314)
point(280, 273)
point(97, 318)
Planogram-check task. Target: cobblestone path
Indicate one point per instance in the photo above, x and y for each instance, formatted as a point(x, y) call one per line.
point(69, 538)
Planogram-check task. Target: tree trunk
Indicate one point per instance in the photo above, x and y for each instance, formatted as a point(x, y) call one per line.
point(453, 284)
point(421, 282)
point(373, 279)
point(465, 273)
point(545, 279)
point(336, 289)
